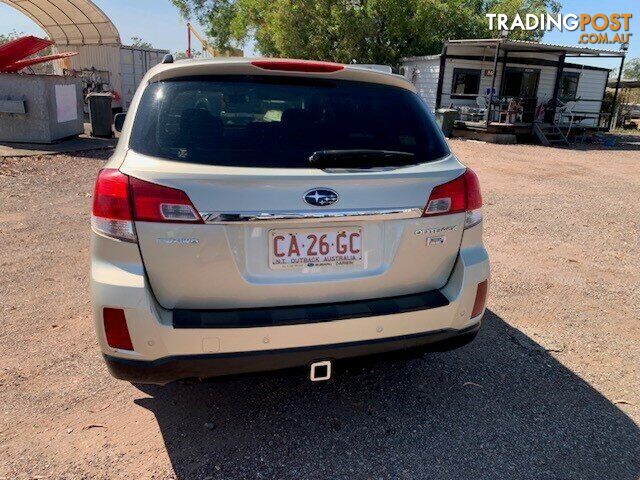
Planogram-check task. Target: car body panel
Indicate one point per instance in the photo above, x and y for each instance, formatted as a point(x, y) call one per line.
point(224, 266)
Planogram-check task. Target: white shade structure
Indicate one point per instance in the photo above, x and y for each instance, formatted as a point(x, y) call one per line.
point(70, 22)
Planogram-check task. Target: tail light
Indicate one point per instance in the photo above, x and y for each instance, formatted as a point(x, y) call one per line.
point(157, 203)
point(115, 328)
point(461, 194)
point(119, 200)
point(481, 299)
point(111, 214)
point(297, 66)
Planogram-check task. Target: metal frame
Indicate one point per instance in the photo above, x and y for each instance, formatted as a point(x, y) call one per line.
point(615, 94)
point(443, 64)
point(493, 82)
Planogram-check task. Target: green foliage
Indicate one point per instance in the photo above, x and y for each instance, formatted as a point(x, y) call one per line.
point(632, 70)
point(12, 35)
point(140, 43)
point(183, 55)
point(522, 7)
point(365, 31)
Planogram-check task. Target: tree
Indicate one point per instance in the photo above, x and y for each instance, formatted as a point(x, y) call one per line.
point(632, 70)
point(183, 55)
point(12, 35)
point(365, 31)
point(140, 43)
point(522, 7)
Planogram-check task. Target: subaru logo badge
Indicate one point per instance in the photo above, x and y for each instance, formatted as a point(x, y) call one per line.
point(321, 197)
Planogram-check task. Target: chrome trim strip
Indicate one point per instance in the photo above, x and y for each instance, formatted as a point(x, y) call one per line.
point(218, 218)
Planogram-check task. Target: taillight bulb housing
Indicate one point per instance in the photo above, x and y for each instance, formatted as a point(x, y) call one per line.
point(120, 200)
point(462, 194)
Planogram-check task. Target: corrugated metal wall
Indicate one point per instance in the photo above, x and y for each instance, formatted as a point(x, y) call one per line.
point(424, 75)
point(545, 85)
point(590, 87)
point(134, 63)
point(126, 65)
point(100, 57)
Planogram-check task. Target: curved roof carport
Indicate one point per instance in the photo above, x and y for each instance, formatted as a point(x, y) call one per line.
point(70, 22)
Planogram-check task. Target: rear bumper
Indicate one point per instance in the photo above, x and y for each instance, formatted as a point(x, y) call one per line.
point(179, 344)
point(168, 369)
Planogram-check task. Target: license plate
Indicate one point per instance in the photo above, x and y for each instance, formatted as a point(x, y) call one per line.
point(315, 247)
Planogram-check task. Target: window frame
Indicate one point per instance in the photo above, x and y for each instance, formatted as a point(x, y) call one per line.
point(458, 70)
point(566, 98)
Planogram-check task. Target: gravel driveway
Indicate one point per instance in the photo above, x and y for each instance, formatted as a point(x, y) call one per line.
point(549, 390)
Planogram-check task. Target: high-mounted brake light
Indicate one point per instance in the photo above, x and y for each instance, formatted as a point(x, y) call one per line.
point(115, 328)
point(119, 200)
point(461, 194)
point(298, 66)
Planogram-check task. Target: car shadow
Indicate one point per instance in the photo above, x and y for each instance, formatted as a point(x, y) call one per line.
point(499, 408)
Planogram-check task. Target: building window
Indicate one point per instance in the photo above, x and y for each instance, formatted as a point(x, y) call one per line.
point(466, 82)
point(569, 85)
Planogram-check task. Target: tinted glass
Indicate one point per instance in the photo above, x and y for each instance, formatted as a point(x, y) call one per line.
point(466, 81)
point(569, 85)
point(279, 122)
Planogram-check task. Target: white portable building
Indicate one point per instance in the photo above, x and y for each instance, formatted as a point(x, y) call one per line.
point(483, 79)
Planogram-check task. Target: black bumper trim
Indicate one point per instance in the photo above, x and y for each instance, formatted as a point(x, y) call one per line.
point(165, 370)
point(300, 314)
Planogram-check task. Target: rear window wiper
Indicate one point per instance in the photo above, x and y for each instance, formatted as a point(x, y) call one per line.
point(360, 159)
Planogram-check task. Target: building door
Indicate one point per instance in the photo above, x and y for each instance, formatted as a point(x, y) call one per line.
point(522, 83)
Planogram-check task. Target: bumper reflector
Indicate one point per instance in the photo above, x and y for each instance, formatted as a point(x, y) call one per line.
point(115, 328)
point(481, 299)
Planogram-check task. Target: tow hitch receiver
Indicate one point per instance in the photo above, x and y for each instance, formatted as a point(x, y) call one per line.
point(320, 371)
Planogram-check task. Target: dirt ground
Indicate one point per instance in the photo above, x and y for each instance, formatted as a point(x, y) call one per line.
point(550, 389)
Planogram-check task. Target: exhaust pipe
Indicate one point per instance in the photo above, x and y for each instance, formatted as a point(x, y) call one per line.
point(320, 371)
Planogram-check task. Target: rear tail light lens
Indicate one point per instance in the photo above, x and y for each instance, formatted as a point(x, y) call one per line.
point(111, 215)
point(157, 203)
point(119, 200)
point(115, 329)
point(298, 66)
point(461, 194)
point(481, 299)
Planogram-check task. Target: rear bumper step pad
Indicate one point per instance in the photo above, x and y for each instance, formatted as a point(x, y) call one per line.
point(300, 314)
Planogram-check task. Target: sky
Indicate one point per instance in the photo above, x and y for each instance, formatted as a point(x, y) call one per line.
point(158, 22)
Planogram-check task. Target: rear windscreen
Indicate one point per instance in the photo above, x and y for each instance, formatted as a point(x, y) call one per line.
point(280, 122)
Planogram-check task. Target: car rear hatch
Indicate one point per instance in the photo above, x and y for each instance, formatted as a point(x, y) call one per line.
point(273, 226)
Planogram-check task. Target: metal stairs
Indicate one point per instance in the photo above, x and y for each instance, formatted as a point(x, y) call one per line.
point(550, 134)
